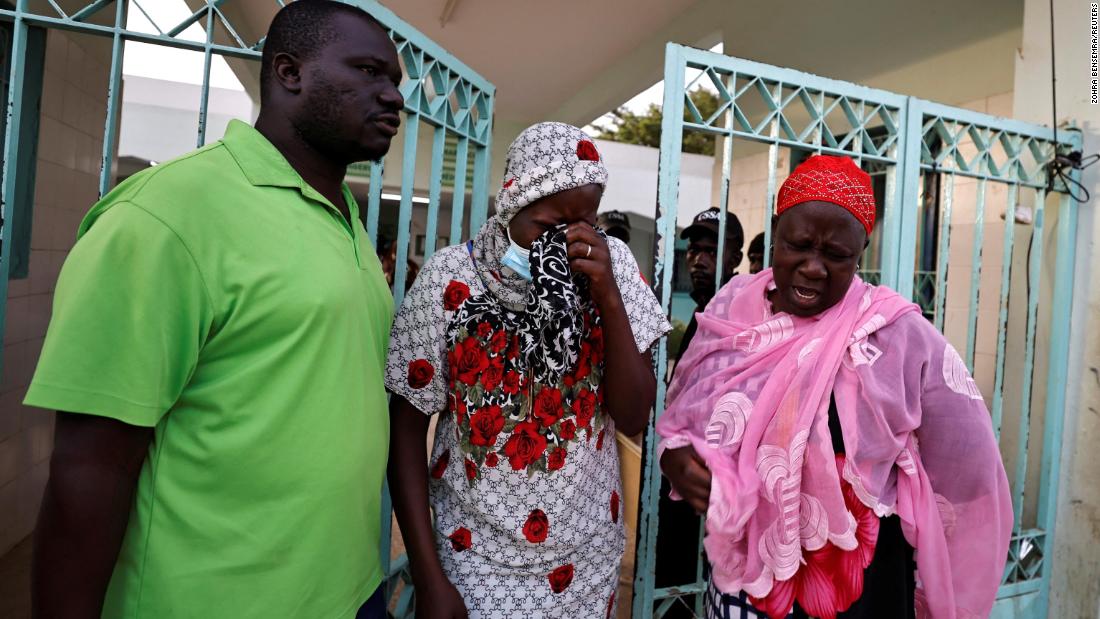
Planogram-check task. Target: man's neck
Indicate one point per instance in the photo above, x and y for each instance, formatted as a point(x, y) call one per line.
point(702, 297)
point(324, 175)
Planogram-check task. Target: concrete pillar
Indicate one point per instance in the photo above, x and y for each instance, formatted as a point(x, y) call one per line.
point(1075, 588)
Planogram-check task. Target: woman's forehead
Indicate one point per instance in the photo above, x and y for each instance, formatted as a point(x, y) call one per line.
point(579, 202)
point(822, 217)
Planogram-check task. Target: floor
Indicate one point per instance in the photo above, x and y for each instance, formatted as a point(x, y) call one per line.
point(15, 582)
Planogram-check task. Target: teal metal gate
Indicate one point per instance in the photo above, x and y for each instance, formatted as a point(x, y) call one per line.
point(944, 171)
point(441, 93)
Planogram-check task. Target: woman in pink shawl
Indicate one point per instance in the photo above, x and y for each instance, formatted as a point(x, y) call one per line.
point(836, 442)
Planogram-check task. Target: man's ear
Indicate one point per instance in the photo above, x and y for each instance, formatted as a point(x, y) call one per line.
point(286, 70)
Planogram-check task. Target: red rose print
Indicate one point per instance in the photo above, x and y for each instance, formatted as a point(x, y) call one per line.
point(536, 527)
point(461, 539)
point(460, 410)
point(614, 506)
point(508, 183)
point(584, 407)
point(454, 295)
point(491, 459)
point(485, 425)
point(610, 606)
point(568, 430)
point(511, 382)
point(440, 465)
point(493, 374)
point(484, 330)
point(556, 459)
point(513, 349)
point(599, 440)
point(568, 381)
point(420, 373)
point(548, 408)
point(471, 469)
point(525, 445)
point(469, 361)
point(561, 578)
point(581, 371)
point(586, 151)
point(498, 342)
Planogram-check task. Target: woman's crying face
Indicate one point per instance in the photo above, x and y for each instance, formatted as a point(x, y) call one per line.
point(817, 246)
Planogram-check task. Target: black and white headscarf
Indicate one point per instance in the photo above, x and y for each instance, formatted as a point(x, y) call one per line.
point(552, 323)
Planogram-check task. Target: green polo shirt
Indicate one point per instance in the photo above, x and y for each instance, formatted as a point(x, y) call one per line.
point(224, 302)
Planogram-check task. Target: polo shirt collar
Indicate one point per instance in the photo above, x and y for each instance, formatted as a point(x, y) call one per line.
point(262, 163)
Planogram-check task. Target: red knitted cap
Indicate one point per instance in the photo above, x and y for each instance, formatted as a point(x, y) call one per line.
point(830, 179)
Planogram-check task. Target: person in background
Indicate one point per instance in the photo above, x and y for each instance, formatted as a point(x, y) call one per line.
point(387, 253)
point(702, 260)
point(616, 224)
point(215, 357)
point(531, 342)
point(756, 254)
point(841, 451)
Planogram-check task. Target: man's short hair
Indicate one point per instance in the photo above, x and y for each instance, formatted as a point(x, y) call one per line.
point(757, 244)
point(301, 28)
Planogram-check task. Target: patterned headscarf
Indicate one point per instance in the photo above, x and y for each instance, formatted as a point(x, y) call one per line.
point(830, 179)
point(546, 159)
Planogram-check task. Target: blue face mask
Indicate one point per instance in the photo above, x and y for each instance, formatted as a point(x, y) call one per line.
point(517, 258)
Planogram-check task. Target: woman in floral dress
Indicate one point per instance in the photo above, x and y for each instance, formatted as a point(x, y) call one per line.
point(532, 340)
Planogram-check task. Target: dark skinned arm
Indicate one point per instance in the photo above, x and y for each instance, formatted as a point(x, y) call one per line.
point(408, 478)
point(630, 387)
point(93, 472)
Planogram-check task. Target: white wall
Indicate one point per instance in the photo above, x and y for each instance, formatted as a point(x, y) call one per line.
point(160, 118)
point(632, 186)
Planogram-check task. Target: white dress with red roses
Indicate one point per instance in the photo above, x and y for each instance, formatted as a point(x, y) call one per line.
point(524, 477)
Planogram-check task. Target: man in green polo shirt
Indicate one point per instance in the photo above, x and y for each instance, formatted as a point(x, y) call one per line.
point(216, 353)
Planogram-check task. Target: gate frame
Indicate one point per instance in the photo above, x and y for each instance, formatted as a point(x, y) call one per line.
point(898, 266)
point(440, 90)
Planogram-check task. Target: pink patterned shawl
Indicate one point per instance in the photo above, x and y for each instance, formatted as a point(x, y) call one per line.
point(752, 395)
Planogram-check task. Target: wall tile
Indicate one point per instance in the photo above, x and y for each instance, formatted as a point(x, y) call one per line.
point(71, 113)
point(10, 413)
point(17, 319)
point(38, 268)
point(11, 458)
point(9, 531)
point(29, 489)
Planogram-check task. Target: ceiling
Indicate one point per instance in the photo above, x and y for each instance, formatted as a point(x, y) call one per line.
point(573, 60)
